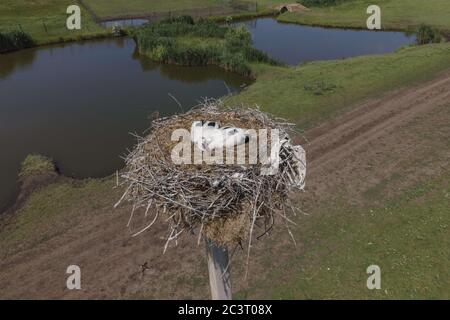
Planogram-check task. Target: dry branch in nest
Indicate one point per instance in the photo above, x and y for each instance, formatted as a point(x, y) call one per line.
point(224, 202)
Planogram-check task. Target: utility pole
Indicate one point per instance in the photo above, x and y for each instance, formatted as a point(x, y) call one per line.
point(218, 267)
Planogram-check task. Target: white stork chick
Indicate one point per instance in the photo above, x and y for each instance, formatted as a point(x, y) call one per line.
point(200, 131)
point(227, 137)
point(208, 136)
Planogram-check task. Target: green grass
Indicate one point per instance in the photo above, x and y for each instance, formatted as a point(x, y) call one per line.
point(111, 8)
point(121, 7)
point(45, 20)
point(395, 14)
point(54, 209)
point(316, 91)
point(36, 164)
point(185, 42)
point(407, 238)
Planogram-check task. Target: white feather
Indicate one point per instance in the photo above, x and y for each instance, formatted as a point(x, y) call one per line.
point(208, 136)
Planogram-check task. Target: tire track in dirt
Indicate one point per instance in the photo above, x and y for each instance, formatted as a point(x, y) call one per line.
point(338, 138)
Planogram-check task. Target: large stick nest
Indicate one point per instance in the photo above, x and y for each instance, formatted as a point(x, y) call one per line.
point(222, 202)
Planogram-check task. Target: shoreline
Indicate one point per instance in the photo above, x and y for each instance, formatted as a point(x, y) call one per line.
point(108, 34)
point(25, 187)
point(241, 17)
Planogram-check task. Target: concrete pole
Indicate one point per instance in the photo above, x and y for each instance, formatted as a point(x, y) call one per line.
point(219, 279)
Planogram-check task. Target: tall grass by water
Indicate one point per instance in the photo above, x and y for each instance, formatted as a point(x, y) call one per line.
point(426, 35)
point(187, 42)
point(14, 40)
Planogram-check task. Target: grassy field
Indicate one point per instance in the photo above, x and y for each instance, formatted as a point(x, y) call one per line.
point(35, 164)
point(396, 15)
point(45, 20)
point(315, 91)
point(53, 210)
point(120, 7)
point(406, 238)
point(108, 8)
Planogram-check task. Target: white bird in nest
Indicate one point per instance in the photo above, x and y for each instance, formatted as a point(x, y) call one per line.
point(207, 135)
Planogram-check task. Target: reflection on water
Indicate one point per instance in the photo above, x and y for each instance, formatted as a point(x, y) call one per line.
point(78, 102)
point(292, 43)
point(195, 74)
point(17, 61)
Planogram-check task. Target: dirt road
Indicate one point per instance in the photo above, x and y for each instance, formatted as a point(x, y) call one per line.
point(373, 119)
point(354, 151)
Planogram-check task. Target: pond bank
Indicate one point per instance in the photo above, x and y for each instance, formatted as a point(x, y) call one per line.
point(306, 95)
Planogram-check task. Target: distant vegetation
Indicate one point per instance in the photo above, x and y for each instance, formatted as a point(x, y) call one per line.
point(320, 3)
point(14, 40)
point(396, 14)
point(426, 35)
point(183, 41)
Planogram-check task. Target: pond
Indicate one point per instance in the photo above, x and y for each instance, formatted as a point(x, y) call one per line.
point(77, 103)
point(293, 43)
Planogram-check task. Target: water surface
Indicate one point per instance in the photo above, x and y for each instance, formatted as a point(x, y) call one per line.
point(293, 43)
point(77, 103)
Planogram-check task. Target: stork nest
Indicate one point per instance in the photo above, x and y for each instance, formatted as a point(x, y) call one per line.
point(222, 202)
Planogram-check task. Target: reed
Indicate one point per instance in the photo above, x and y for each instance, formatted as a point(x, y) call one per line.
point(14, 40)
point(426, 35)
point(183, 41)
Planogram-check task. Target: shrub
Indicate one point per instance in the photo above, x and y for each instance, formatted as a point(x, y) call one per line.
point(426, 34)
point(237, 39)
point(14, 40)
